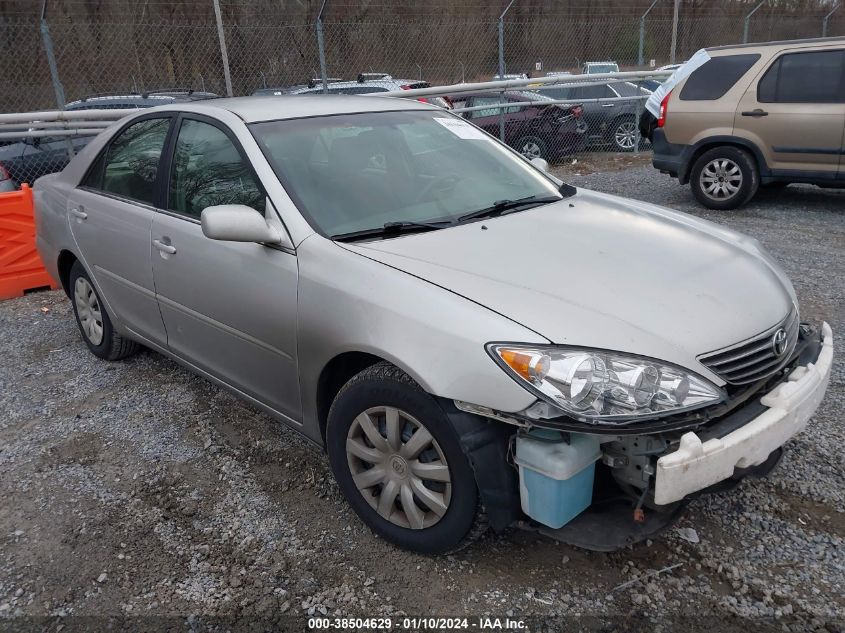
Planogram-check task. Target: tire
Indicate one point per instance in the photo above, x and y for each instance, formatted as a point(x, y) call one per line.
point(623, 134)
point(446, 515)
point(532, 147)
point(724, 178)
point(93, 319)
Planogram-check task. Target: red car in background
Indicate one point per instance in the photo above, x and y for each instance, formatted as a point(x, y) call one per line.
point(536, 130)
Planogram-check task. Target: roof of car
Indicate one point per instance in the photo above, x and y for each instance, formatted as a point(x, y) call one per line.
point(815, 41)
point(272, 107)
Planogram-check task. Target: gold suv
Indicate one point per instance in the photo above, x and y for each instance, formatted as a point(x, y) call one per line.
point(756, 115)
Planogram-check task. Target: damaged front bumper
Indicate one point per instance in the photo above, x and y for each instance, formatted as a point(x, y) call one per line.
point(697, 464)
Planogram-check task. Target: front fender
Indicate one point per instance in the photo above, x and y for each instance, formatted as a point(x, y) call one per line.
point(348, 302)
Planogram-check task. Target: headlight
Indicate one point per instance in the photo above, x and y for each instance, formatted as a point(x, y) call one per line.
point(597, 385)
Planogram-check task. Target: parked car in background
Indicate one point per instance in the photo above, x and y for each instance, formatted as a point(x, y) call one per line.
point(127, 101)
point(370, 83)
point(539, 130)
point(506, 76)
point(610, 122)
point(475, 343)
point(596, 68)
point(755, 115)
point(30, 158)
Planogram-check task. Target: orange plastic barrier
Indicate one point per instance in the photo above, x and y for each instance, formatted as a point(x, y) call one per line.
point(20, 266)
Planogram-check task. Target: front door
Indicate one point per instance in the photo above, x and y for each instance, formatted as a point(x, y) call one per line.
point(795, 113)
point(229, 307)
point(110, 215)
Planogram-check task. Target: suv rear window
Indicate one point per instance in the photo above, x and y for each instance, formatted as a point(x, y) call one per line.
point(716, 76)
point(817, 77)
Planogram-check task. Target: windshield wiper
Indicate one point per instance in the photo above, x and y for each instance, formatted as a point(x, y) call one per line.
point(390, 229)
point(502, 206)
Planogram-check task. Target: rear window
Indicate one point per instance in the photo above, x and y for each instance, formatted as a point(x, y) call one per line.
point(817, 77)
point(716, 76)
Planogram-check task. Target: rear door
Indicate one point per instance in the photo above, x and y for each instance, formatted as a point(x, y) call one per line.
point(795, 113)
point(110, 215)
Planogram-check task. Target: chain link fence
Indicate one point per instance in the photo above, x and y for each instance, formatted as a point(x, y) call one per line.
point(135, 47)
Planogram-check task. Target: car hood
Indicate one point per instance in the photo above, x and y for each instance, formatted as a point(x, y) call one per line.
point(600, 271)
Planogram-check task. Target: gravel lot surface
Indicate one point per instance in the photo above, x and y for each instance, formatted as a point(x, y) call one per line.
point(136, 489)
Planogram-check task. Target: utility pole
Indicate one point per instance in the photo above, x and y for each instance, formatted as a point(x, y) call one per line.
point(502, 65)
point(224, 54)
point(640, 56)
point(321, 46)
point(674, 32)
point(827, 19)
point(748, 21)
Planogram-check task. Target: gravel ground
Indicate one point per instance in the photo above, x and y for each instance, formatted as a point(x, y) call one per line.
point(136, 490)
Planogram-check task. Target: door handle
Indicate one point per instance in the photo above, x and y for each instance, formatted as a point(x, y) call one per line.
point(755, 113)
point(79, 213)
point(608, 105)
point(164, 248)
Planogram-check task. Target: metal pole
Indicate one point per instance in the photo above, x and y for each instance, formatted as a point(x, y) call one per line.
point(827, 18)
point(674, 32)
point(502, 65)
point(58, 89)
point(223, 53)
point(420, 69)
point(463, 73)
point(321, 47)
point(748, 21)
point(641, 56)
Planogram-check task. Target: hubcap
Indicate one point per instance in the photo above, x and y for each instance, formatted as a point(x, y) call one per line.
point(398, 467)
point(626, 135)
point(721, 179)
point(88, 310)
point(530, 149)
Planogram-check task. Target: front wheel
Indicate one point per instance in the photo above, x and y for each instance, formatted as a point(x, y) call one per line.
point(724, 178)
point(399, 463)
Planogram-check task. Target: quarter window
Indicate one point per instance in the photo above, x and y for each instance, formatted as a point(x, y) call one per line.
point(716, 76)
point(817, 77)
point(129, 165)
point(208, 170)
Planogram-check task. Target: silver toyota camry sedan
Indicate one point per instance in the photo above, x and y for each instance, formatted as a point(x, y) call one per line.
point(475, 343)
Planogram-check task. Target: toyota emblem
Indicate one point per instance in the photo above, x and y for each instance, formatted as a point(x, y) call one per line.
point(779, 342)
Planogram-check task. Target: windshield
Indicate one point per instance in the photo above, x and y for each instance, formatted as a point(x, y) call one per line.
point(355, 172)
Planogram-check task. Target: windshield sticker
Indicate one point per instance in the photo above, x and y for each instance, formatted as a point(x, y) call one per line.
point(462, 129)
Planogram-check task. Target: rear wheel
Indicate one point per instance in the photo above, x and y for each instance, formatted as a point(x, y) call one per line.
point(399, 463)
point(624, 135)
point(532, 147)
point(93, 319)
point(724, 178)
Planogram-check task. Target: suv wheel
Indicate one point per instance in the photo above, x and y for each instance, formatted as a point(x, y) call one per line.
point(724, 178)
point(399, 463)
point(531, 147)
point(624, 135)
point(93, 319)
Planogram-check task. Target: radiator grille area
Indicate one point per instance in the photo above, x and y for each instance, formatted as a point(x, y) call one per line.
point(757, 358)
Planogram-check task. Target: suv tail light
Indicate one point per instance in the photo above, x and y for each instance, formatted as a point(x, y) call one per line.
point(4, 173)
point(577, 111)
point(664, 106)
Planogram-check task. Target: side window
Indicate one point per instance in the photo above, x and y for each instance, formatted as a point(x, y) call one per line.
point(482, 101)
point(817, 77)
point(597, 91)
point(208, 170)
point(129, 165)
point(716, 76)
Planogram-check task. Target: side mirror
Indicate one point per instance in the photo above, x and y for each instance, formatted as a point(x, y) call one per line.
point(238, 223)
point(541, 164)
